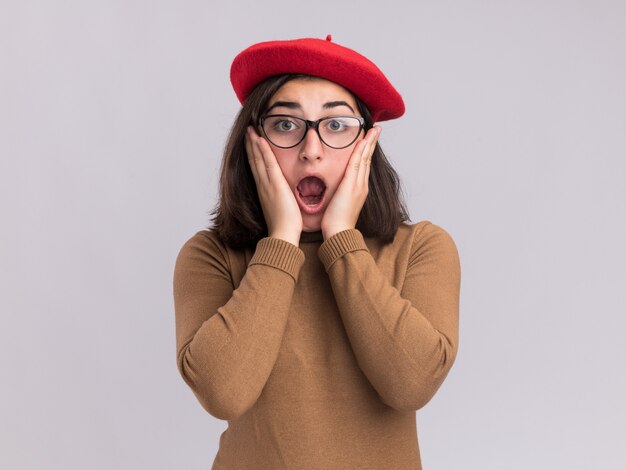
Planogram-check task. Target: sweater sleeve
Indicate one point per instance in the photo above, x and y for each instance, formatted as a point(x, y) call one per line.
point(228, 339)
point(405, 341)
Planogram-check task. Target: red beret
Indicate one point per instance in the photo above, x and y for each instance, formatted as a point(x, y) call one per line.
point(321, 58)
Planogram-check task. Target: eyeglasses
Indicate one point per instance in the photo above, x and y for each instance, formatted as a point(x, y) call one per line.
point(286, 131)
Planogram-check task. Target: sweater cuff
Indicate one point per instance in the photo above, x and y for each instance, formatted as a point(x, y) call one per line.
point(279, 254)
point(339, 244)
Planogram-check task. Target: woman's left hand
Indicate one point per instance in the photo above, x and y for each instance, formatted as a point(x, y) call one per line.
point(345, 206)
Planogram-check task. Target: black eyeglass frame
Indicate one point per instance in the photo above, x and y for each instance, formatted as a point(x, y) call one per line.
point(314, 125)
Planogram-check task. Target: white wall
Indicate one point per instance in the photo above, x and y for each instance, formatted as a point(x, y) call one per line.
point(113, 115)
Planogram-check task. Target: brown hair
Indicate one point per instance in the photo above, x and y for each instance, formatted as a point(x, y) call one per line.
point(238, 217)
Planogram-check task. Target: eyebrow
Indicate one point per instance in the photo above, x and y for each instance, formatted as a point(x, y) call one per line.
point(294, 105)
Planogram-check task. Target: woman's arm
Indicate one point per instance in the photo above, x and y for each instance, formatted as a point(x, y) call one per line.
point(227, 339)
point(405, 341)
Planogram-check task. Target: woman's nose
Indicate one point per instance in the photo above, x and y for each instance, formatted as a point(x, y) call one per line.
point(312, 147)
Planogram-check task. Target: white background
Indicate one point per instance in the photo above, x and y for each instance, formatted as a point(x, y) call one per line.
point(113, 117)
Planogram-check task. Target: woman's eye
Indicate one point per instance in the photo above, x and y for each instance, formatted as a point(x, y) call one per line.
point(285, 125)
point(335, 125)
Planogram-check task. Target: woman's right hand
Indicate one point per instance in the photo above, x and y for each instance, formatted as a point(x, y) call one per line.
point(280, 209)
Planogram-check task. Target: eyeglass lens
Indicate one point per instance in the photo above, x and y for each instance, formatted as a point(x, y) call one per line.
point(288, 131)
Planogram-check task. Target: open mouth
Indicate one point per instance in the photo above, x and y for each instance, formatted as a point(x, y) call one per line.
point(311, 191)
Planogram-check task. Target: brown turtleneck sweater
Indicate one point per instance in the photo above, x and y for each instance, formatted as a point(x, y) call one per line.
point(318, 355)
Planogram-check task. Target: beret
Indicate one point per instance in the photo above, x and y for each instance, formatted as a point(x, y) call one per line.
point(321, 58)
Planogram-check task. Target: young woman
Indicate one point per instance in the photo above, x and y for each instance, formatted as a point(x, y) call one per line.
point(312, 316)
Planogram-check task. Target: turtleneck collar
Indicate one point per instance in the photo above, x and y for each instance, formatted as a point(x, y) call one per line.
point(308, 237)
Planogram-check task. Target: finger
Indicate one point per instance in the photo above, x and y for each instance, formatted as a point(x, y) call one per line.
point(250, 154)
point(351, 174)
point(372, 138)
point(364, 166)
point(367, 157)
point(363, 150)
point(272, 169)
point(258, 159)
point(357, 155)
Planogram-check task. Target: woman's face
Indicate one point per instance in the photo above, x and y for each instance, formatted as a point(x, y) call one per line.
point(312, 169)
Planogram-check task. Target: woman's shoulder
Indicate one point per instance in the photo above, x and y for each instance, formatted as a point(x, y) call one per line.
point(424, 236)
point(203, 245)
point(205, 239)
point(420, 230)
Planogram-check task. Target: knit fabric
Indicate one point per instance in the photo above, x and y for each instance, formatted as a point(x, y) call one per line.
point(318, 355)
point(325, 59)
